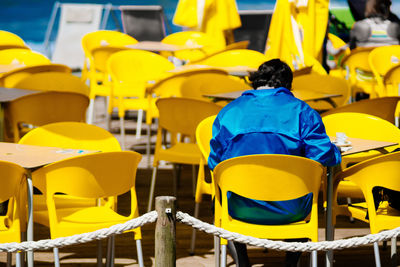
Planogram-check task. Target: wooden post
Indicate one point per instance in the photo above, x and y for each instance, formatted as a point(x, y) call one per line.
point(165, 245)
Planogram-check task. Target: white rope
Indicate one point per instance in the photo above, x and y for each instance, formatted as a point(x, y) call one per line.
point(45, 244)
point(287, 246)
point(185, 218)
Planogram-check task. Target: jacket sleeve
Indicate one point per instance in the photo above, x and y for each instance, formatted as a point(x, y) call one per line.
point(317, 145)
point(216, 145)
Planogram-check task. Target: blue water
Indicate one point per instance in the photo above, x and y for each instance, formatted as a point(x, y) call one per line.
point(29, 18)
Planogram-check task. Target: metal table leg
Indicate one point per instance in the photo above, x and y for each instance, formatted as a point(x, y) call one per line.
point(30, 216)
point(329, 231)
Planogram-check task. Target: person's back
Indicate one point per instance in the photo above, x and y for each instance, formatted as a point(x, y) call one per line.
point(270, 120)
point(378, 28)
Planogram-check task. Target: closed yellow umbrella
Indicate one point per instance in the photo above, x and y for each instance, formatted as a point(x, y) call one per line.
point(214, 17)
point(297, 32)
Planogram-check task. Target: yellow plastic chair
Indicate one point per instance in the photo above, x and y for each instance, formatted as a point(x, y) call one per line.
point(10, 40)
point(323, 84)
point(44, 108)
point(98, 175)
point(11, 78)
point(203, 137)
point(12, 183)
point(131, 71)
point(101, 38)
point(364, 175)
point(381, 59)
point(21, 56)
point(199, 85)
point(54, 81)
point(191, 38)
point(99, 77)
point(382, 107)
point(179, 116)
point(235, 57)
point(338, 43)
point(358, 73)
point(391, 81)
point(289, 177)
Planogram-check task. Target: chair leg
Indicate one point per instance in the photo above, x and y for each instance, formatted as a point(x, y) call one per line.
point(377, 257)
point(122, 127)
point(90, 114)
point(349, 203)
point(9, 259)
point(314, 258)
point(223, 255)
point(139, 123)
point(108, 115)
point(194, 179)
point(99, 253)
point(217, 252)
point(139, 252)
point(193, 241)
point(152, 186)
point(175, 179)
point(148, 146)
point(18, 259)
point(56, 258)
point(393, 251)
point(110, 251)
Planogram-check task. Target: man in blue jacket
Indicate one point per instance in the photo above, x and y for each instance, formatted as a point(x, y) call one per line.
point(270, 120)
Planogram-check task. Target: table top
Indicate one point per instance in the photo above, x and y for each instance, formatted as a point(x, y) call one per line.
point(30, 157)
point(10, 94)
point(303, 95)
point(159, 46)
point(362, 145)
point(9, 67)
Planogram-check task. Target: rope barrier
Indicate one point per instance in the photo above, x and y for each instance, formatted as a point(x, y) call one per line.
point(185, 218)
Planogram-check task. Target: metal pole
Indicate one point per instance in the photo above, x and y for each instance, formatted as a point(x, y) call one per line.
point(165, 245)
point(329, 232)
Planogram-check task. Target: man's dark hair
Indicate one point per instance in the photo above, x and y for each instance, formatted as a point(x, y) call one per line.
point(378, 8)
point(273, 73)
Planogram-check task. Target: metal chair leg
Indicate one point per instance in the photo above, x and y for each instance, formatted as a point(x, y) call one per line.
point(152, 186)
point(122, 127)
point(18, 259)
point(223, 255)
point(148, 146)
point(139, 252)
point(110, 251)
point(56, 257)
point(217, 252)
point(314, 258)
point(99, 253)
point(194, 179)
point(90, 114)
point(377, 257)
point(139, 123)
point(393, 251)
point(193, 241)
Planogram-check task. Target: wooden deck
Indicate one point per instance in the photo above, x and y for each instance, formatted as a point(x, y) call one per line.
point(85, 254)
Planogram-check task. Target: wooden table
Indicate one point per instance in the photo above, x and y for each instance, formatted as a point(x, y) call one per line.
point(9, 67)
point(7, 95)
point(303, 95)
point(159, 46)
point(358, 146)
point(33, 157)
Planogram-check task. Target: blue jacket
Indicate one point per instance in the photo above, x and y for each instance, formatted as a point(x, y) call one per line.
point(270, 121)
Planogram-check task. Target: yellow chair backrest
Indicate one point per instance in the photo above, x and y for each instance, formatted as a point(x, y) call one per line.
point(383, 107)
point(191, 38)
point(391, 81)
point(105, 38)
point(74, 135)
point(337, 43)
point(135, 68)
point(12, 182)
point(364, 126)
point(171, 85)
point(236, 57)
point(198, 85)
point(364, 175)
point(44, 108)
point(9, 38)
point(269, 178)
point(323, 84)
point(54, 81)
point(23, 57)
point(381, 59)
point(11, 78)
point(96, 175)
point(182, 115)
point(101, 54)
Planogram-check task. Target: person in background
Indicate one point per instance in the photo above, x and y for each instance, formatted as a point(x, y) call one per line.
point(380, 27)
point(270, 120)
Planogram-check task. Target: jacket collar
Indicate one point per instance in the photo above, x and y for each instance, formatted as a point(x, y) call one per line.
point(267, 91)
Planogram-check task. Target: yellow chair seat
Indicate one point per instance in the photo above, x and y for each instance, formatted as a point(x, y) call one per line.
point(62, 201)
point(185, 153)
